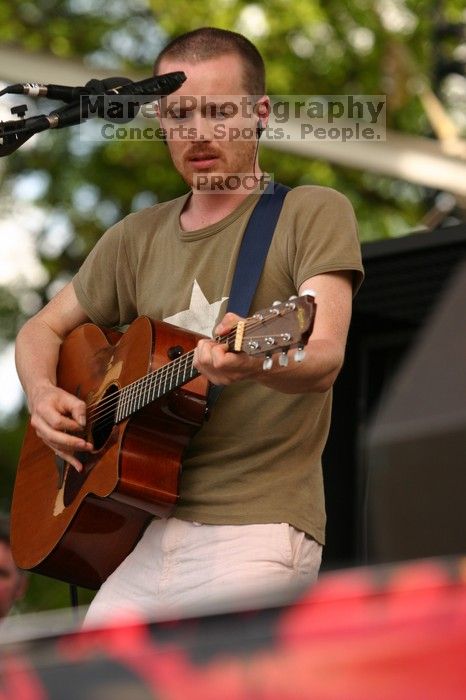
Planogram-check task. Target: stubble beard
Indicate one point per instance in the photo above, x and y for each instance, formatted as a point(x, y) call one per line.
point(237, 162)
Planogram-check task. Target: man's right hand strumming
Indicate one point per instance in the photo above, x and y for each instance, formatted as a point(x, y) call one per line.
point(59, 418)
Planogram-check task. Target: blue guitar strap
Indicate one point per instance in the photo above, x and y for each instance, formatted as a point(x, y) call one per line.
point(254, 248)
point(251, 257)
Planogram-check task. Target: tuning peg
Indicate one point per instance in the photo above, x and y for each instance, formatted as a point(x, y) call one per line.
point(299, 354)
point(293, 296)
point(276, 303)
point(268, 362)
point(283, 358)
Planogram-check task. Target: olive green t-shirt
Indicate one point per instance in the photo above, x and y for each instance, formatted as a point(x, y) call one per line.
point(258, 458)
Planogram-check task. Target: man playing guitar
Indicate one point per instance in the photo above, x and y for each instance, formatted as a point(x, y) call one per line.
point(251, 516)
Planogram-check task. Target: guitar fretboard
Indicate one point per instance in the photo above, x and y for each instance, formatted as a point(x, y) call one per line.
point(155, 385)
point(263, 333)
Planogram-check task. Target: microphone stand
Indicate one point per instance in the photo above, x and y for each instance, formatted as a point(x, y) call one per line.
point(14, 133)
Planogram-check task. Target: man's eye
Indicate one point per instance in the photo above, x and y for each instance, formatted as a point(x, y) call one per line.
point(178, 115)
point(218, 112)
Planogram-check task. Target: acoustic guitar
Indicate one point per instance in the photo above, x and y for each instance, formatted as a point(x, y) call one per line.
point(145, 400)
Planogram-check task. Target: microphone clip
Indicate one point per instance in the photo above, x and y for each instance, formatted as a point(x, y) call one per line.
point(19, 111)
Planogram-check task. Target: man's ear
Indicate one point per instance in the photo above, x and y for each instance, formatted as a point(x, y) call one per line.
point(262, 109)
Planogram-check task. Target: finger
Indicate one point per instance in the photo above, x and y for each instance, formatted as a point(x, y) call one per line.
point(78, 411)
point(202, 361)
point(69, 459)
point(59, 440)
point(202, 353)
point(218, 354)
point(58, 421)
point(228, 322)
point(76, 407)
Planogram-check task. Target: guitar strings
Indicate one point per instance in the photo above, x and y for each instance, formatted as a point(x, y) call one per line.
point(100, 410)
point(158, 373)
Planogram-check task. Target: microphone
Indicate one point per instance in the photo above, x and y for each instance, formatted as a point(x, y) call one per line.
point(14, 133)
point(157, 85)
point(142, 92)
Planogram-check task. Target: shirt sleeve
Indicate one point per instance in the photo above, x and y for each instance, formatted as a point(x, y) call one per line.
point(325, 236)
point(104, 284)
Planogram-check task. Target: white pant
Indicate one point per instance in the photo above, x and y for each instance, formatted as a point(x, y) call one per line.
point(180, 568)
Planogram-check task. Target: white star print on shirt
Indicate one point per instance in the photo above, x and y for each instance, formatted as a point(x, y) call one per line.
point(201, 316)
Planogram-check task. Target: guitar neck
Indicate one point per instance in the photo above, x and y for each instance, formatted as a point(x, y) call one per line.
point(155, 385)
point(278, 328)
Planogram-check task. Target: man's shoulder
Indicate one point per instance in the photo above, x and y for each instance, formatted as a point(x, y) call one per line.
point(316, 195)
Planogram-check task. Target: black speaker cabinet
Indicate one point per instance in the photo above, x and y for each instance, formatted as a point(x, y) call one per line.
point(418, 429)
point(417, 442)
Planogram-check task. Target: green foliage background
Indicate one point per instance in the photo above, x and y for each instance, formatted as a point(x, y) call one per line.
point(310, 47)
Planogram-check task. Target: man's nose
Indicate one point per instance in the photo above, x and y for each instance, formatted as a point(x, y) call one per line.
point(202, 128)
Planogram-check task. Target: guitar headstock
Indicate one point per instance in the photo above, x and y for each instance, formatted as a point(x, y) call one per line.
point(282, 326)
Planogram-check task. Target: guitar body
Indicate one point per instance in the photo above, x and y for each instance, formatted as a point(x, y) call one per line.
point(145, 400)
point(80, 527)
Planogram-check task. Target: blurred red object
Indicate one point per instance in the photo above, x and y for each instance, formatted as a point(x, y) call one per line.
point(365, 634)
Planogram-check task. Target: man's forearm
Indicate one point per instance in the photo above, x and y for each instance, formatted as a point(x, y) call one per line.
point(37, 348)
point(316, 373)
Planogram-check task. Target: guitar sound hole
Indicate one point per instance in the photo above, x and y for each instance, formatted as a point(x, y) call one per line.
point(104, 417)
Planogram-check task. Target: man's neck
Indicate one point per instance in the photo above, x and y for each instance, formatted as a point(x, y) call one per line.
point(204, 209)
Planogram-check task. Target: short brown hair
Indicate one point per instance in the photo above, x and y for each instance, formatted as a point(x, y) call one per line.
point(210, 42)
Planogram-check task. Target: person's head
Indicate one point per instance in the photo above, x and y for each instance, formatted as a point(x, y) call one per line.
point(212, 119)
point(209, 43)
point(13, 581)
